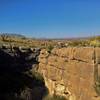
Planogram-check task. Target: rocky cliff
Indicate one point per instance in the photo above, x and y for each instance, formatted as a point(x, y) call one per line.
point(17, 79)
point(72, 72)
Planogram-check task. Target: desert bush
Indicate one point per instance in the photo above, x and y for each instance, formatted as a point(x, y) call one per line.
point(95, 38)
point(4, 37)
point(97, 88)
point(97, 85)
point(83, 43)
point(49, 48)
point(95, 43)
point(55, 97)
point(78, 43)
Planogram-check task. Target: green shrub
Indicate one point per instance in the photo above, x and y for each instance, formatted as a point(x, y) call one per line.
point(49, 48)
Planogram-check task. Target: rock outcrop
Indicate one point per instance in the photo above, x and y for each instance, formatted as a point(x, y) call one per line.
point(71, 72)
point(17, 79)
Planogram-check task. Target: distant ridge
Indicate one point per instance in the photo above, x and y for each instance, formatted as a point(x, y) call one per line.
point(66, 38)
point(71, 38)
point(13, 35)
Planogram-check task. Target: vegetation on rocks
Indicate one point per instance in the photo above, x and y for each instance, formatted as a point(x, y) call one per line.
point(49, 48)
point(97, 85)
point(55, 97)
point(49, 44)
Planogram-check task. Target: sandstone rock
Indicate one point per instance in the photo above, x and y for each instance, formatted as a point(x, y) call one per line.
point(42, 66)
point(86, 70)
point(74, 69)
point(97, 52)
point(43, 51)
point(43, 60)
point(51, 86)
point(54, 73)
point(64, 52)
point(72, 97)
point(59, 89)
point(84, 54)
point(52, 60)
point(99, 70)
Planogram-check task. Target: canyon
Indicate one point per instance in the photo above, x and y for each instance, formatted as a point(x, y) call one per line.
point(72, 72)
point(18, 80)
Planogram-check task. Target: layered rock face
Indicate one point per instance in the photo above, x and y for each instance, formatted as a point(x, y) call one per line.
point(71, 72)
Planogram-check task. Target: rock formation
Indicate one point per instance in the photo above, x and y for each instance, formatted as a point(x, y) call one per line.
point(17, 82)
point(71, 72)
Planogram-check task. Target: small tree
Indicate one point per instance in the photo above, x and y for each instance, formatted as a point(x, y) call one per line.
point(4, 37)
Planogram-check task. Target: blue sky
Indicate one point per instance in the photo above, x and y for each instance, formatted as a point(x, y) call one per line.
point(50, 18)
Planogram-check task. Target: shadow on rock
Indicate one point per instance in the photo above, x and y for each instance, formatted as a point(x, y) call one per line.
point(15, 84)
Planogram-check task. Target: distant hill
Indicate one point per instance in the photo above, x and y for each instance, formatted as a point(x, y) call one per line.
point(13, 35)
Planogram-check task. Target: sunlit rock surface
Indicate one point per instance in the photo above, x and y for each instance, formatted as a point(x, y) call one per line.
point(71, 72)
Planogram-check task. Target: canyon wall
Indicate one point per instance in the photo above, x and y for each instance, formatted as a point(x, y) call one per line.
point(18, 80)
point(71, 72)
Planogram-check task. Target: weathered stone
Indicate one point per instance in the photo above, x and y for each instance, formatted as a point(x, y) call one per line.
point(84, 54)
point(97, 52)
point(57, 62)
point(73, 70)
point(54, 73)
point(51, 85)
point(99, 70)
point(42, 60)
point(43, 53)
point(86, 70)
point(59, 89)
point(42, 66)
point(63, 52)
